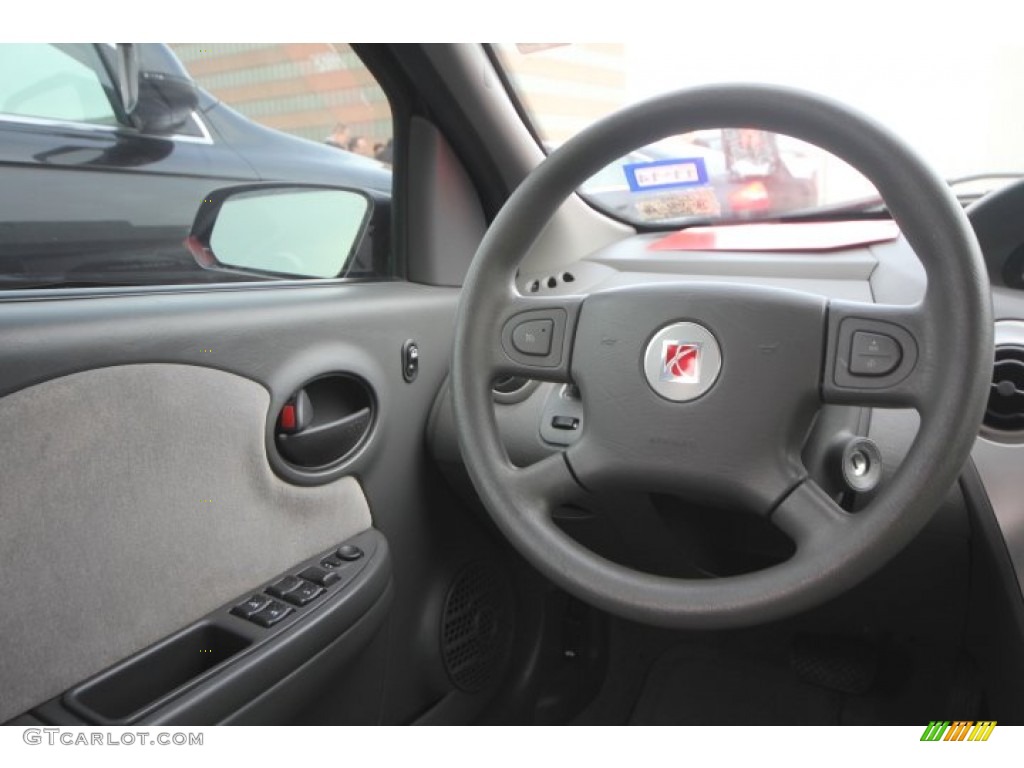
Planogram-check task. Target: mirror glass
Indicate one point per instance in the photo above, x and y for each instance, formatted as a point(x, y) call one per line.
point(290, 231)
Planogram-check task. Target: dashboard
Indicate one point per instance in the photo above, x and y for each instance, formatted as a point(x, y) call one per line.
point(536, 419)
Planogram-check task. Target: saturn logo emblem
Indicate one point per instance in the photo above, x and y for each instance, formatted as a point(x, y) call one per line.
point(682, 361)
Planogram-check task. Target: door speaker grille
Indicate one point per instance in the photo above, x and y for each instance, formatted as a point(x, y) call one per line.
point(476, 627)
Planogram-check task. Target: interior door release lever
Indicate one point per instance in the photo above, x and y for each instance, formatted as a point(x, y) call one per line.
point(296, 414)
point(324, 421)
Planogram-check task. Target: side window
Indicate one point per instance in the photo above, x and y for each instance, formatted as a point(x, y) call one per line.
point(272, 127)
point(55, 82)
point(316, 91)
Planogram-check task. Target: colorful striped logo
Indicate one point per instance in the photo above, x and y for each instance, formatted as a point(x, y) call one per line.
point(960, 730)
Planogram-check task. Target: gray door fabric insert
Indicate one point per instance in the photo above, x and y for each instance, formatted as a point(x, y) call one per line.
point(133, 500)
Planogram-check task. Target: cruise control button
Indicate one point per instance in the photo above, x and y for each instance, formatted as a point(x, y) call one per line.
point(284, 586)
point(304, 593)
point(322, 576)
point(272, 614)
point(254, 604)
point(533, 337)
point(874, 354)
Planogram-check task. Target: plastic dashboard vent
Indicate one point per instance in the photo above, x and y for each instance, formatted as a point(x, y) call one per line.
point(476, 627)
point(1005, 411)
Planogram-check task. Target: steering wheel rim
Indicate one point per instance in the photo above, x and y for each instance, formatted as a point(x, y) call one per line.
point(603, 341)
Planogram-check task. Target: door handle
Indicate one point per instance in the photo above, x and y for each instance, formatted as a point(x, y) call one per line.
point(320, 444)
point(325, 421)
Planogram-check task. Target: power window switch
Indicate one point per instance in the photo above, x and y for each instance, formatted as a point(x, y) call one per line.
point(273, 613)
point(304, 593)
point(322, 576)
point(332, 562)
point(284, 586)
point(254, 604)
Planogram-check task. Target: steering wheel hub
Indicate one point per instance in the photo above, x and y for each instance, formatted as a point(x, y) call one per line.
point(682, 361)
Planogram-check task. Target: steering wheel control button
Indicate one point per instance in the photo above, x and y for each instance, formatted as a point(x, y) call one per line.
point(536, 338)
point(682, 361)
point(565, 422)
point(306, 592)
point(349, 552)
point(869, 355)
point(533, 337)
point(874, 354)
point(284, 586)
point(320, 575)
point(273, 613)
point(253, 605)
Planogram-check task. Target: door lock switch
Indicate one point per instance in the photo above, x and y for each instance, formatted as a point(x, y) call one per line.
point(296, 414)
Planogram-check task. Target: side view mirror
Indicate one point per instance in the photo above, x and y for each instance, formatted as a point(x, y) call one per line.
point(280, 230)
point(155, 102)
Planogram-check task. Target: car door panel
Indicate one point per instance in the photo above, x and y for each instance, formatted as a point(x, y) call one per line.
point(142, 496)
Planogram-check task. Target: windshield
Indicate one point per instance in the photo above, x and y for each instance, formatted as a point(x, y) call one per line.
point(962, 120)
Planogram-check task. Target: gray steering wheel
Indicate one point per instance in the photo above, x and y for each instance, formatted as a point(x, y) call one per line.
point(707, 391)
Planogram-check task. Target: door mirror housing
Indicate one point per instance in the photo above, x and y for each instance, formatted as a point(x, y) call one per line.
point(280, 230)
point(155, 102)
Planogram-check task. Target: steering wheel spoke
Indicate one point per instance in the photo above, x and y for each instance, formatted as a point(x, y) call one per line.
point(809, 516)
point(547, 483)
point(874, 356)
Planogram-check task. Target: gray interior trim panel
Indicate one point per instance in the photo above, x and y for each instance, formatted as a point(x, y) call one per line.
point(278, 336)
point(444, 210)
point(999, 465)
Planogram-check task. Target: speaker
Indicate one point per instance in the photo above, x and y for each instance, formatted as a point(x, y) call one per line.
point(477, 623)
